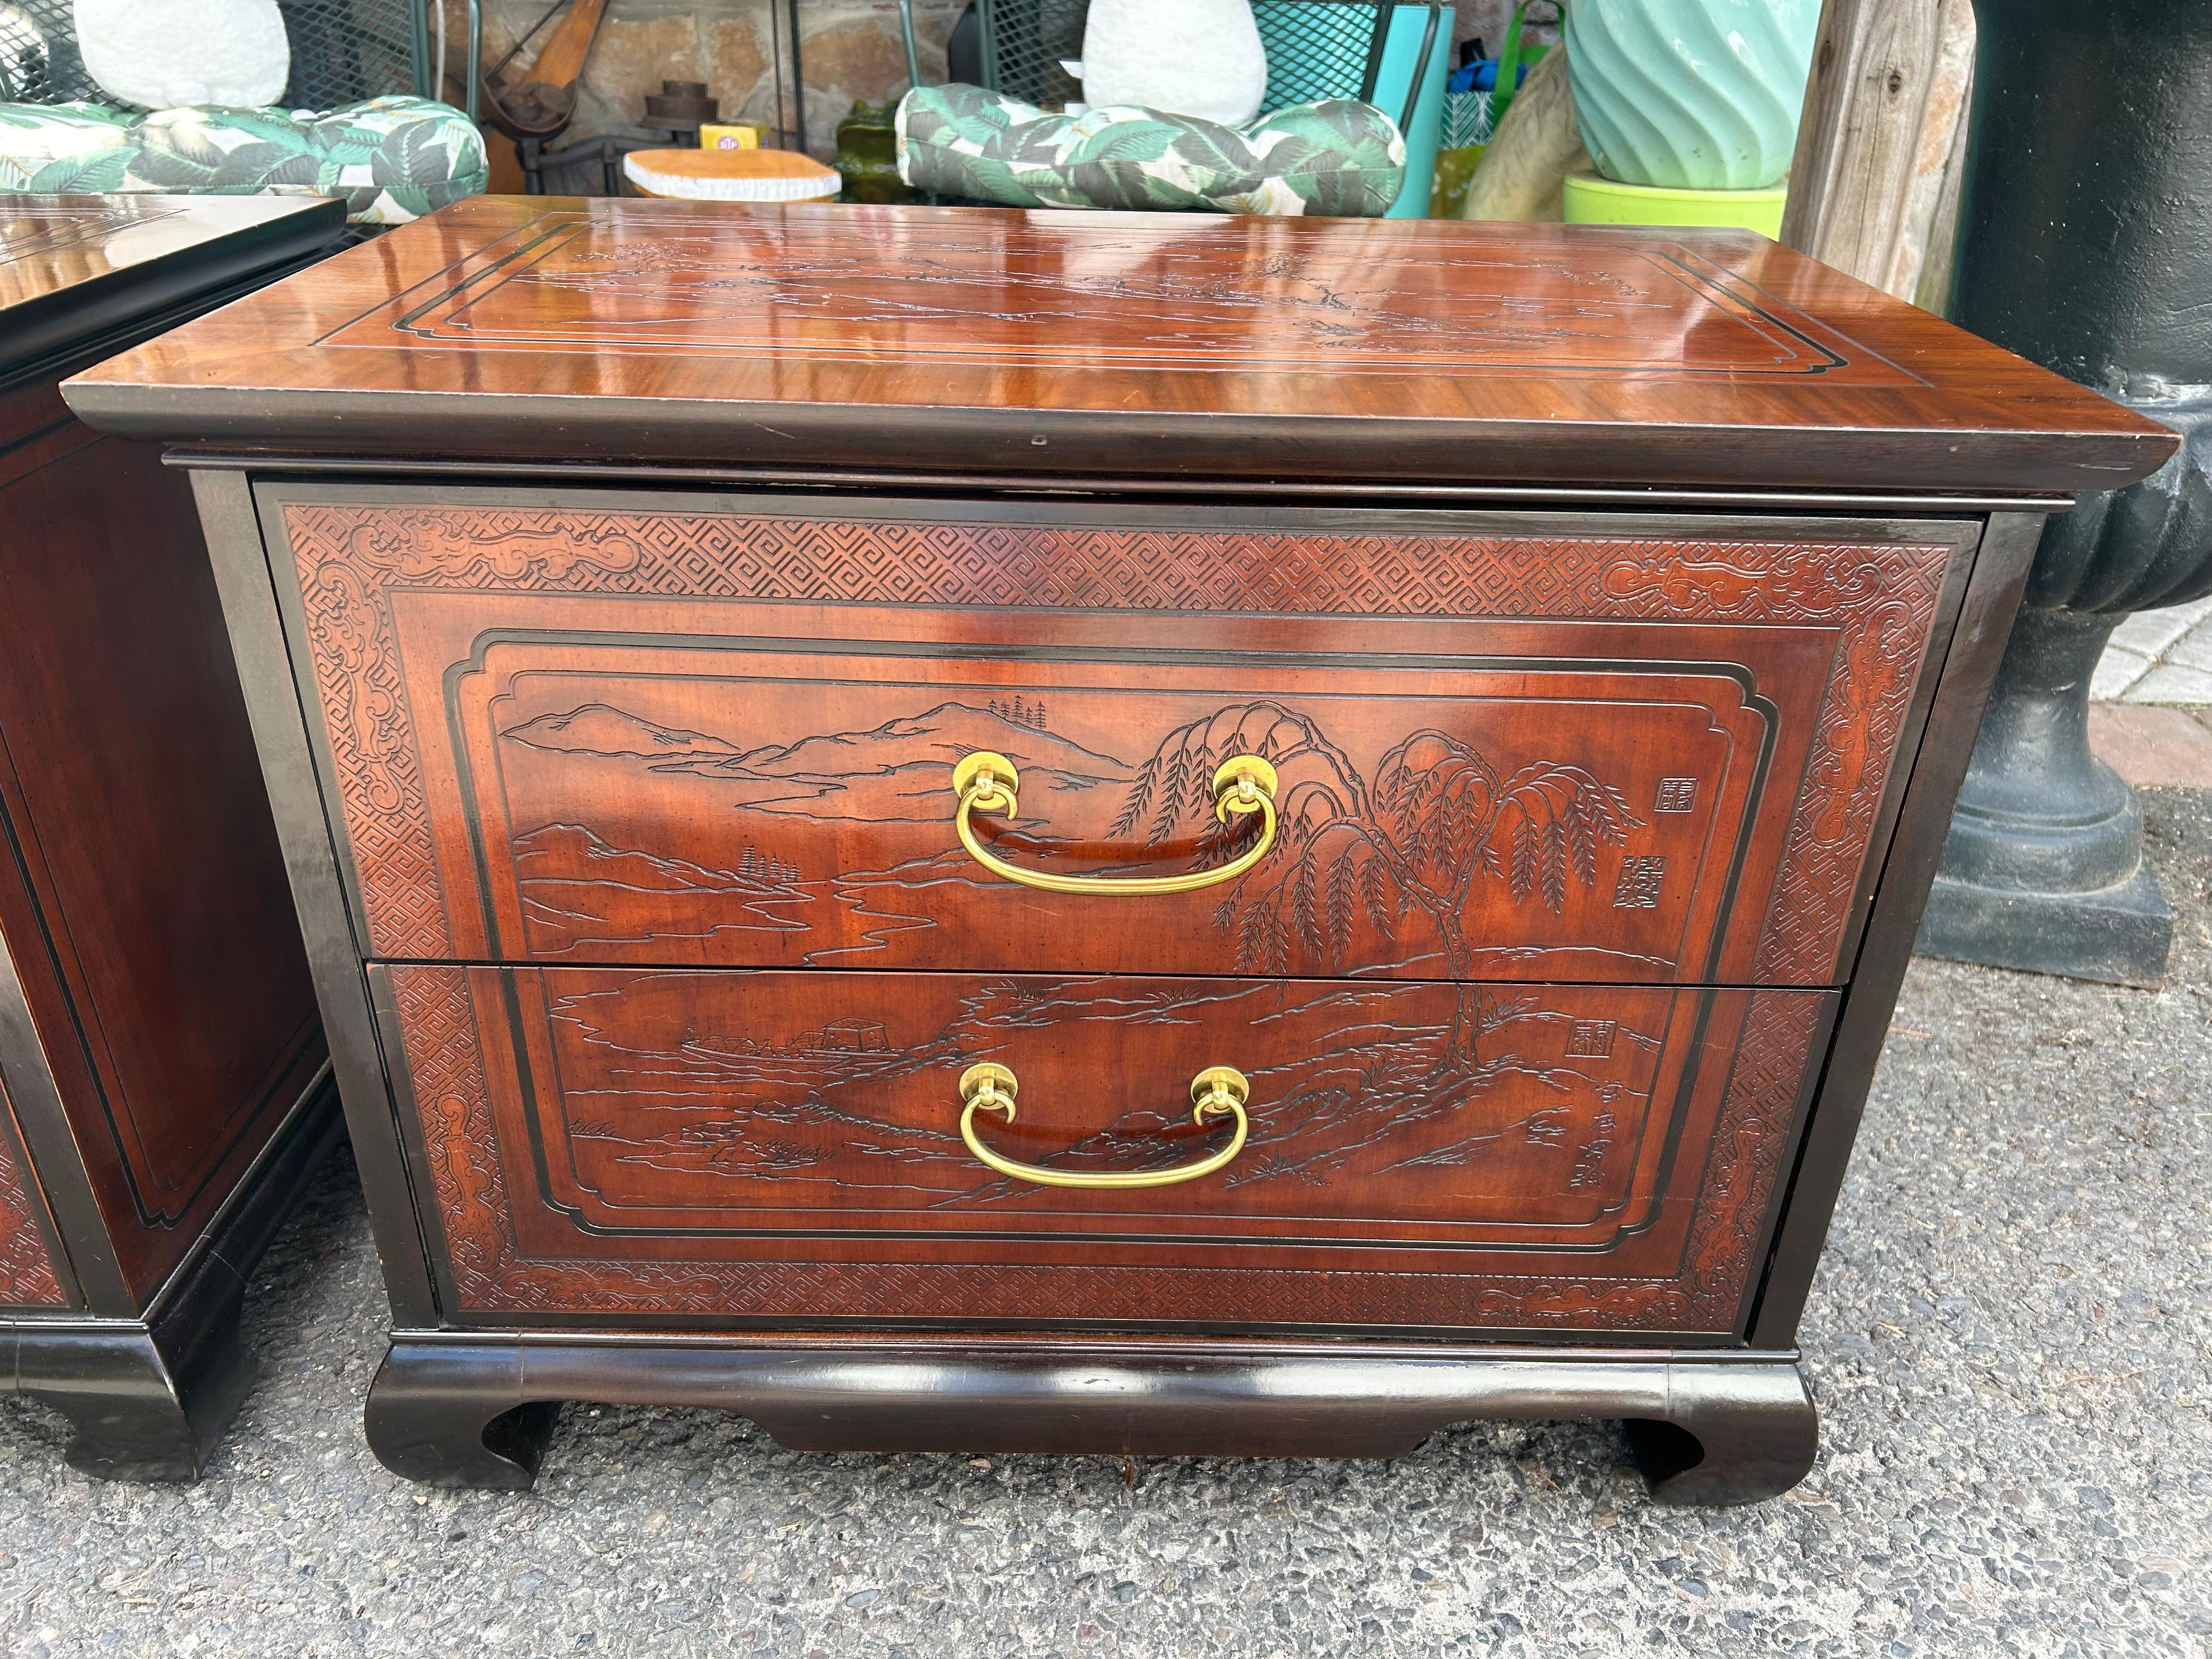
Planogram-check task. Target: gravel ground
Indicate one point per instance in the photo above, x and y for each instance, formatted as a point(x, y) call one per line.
point(2009, 1341)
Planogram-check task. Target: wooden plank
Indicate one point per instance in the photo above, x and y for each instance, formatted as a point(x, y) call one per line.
point(1882, 107)
point(1932, 290)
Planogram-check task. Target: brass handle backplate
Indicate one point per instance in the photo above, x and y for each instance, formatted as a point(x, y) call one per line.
point(992, 1087)
point(985, 782)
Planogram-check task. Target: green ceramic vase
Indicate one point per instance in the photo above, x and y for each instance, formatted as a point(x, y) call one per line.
point(1691, 95)
point(1590, 200)
point(868, 155)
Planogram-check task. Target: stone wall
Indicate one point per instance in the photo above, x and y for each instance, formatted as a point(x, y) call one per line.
point(849, 49)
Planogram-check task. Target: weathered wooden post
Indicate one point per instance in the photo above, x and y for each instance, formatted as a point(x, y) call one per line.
point(1872, 185)
point(2085, 243)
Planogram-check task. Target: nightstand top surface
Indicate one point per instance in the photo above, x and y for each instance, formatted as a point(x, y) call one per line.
point(999, 341)
point(73, 267)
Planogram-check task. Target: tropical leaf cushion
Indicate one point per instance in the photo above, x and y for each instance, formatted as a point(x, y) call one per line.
point(1338, 157)
point(392, 159)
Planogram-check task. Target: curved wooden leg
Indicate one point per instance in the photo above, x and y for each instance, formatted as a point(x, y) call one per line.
point(477, 1412)
point(1732, 1434)
point(452, 1414)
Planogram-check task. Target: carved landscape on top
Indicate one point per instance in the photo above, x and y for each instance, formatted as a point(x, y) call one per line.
point(779, 835)
point(1137, 289)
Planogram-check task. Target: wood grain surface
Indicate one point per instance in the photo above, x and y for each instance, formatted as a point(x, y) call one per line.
point(726, 1146)
point(575, 734)
point(143, 896)
point(1170, 344)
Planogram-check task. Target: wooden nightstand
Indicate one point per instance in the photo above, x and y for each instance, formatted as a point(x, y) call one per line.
point(163, 1083)
point(724, 676)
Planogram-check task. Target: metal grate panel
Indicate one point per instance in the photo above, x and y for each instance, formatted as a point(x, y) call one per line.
point(343, 51)
point(1315, 48)
point(1319, 49)
point(39, 62)
point(1027, 40)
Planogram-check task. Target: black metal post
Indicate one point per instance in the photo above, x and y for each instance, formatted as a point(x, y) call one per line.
point(2085, 243)
point(797, 83)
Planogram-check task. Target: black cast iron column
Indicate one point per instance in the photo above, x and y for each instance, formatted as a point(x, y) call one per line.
point(2085, 243)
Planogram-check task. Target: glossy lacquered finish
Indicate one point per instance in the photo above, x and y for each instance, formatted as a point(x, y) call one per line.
point(84, 274)
point(739, 1149)
point(1704, 1428)
point(622, 803)
point(975, 340)
point(1508, 746)
point(161, 1062)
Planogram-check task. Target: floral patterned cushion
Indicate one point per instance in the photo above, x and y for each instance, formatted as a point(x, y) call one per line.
point(392, 159)
point(1338, 157)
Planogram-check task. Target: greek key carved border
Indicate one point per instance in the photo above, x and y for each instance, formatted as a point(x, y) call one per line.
point(27, 1276)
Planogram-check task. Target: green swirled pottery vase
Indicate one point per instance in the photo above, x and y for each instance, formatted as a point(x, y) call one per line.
point(1691, 95)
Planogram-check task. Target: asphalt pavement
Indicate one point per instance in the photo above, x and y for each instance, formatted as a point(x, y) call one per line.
point(2010, 1341)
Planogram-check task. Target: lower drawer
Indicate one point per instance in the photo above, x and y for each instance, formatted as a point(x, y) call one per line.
point(725, 1146)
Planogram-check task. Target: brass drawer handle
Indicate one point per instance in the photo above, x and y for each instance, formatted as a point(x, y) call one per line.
point(1216, 1090)
point(986, 783)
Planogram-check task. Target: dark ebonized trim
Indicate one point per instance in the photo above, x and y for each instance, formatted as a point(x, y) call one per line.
point(466, 1410)
point(71, 328)
point(641, 431)
point(50, 1141)
point(1536, 496)
point(147, 1399)
point(1892, 919)
point(281, 734)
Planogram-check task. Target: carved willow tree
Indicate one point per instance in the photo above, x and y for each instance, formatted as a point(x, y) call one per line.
point(1438, 818)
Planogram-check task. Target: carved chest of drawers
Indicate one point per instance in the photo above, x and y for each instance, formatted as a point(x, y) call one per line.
point(164, 1089)
point(1065, 832)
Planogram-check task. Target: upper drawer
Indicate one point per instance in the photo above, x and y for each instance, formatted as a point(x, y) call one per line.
point(591, 729)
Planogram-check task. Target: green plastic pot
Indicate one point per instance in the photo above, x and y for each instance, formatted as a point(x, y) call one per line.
point(1591, 200)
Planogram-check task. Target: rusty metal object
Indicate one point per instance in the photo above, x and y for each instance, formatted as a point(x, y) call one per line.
point(540, 104)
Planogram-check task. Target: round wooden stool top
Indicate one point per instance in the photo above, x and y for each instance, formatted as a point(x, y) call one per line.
point(731, 175)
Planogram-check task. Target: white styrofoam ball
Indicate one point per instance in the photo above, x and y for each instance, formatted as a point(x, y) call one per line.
point(1199, 58)
point(164, 54)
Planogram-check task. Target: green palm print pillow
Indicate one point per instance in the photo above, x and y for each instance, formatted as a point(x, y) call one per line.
point(1338, 157)
point(392, 159)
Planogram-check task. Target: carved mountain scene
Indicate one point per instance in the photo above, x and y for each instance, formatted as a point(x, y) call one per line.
point(565, 873)
point(1424, 836)
point(899, 770)
point(720, 1091)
